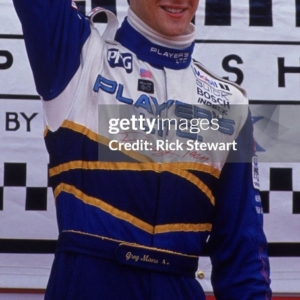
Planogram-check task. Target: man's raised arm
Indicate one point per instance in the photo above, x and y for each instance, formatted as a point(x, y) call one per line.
point(54, 34)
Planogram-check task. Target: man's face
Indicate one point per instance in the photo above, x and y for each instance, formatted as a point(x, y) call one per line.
point(168, 17)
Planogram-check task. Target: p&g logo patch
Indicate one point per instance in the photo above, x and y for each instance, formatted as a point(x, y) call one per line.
point(117, 59)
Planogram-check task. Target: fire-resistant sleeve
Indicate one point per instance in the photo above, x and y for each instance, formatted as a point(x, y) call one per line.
point(238, 246)
point(54, 34)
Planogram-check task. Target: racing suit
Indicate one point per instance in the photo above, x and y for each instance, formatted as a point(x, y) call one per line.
point(138, 204)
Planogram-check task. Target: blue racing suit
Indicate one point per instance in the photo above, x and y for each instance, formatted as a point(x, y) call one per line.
point(152, 164)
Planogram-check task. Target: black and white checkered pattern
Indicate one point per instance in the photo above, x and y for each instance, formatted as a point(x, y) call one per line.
point(281, 180)
point(15, 178)
point(15, 175)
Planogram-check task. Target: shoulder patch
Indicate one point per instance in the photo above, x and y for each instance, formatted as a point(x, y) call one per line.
point(223, 81)
point(255, 173)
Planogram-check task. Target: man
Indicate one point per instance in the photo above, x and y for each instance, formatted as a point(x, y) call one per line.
point(140, 190)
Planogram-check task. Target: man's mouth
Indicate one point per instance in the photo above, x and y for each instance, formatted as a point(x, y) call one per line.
point(173, 10)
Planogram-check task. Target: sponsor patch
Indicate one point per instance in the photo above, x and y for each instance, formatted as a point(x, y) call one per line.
point(117, 59)
point(255, 173)
point(145, 86)
point(259, 210)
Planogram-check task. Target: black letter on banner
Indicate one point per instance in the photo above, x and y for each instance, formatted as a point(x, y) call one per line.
point(1, 198)
point(12, 117)
point(9, 60)
point(218, 12)
point(225, 64)
point(298, 13)
point(107, 4)
point(282, 69)
point(28, 119)
point(261, 13)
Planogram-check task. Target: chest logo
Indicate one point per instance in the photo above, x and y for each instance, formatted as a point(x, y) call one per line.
point(117, 59)
point(145, 86)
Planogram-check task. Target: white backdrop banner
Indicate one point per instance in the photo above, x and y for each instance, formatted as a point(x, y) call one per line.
point(254, 43)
